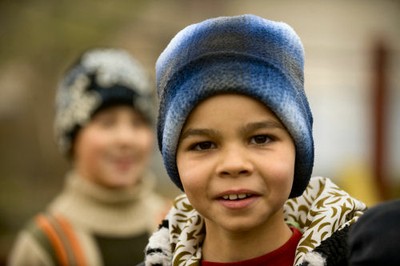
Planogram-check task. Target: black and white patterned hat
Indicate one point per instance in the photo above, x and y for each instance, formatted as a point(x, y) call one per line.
point(101, 77)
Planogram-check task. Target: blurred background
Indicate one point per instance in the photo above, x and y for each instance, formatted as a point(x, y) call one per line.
point(352, 80)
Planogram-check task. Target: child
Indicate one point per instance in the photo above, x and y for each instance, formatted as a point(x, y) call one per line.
point(235, 133)
point(104, 124)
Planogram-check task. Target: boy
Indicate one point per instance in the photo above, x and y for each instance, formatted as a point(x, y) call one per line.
point(235, 132)
point(104, 125)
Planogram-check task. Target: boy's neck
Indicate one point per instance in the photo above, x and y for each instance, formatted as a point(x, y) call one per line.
point(226, 246)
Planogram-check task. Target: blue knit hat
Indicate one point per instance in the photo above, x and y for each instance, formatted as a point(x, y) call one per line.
point(243, 54)
point(100, 78)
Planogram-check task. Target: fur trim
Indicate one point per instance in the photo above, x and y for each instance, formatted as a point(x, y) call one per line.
point(314, 259)
point(158, 250)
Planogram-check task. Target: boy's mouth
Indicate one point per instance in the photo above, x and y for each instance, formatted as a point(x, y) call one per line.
point(238, 200)
point(236, 196)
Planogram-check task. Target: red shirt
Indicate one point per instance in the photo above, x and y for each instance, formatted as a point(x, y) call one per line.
point(283, 256)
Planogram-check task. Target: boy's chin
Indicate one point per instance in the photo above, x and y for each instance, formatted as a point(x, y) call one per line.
point(121, 182)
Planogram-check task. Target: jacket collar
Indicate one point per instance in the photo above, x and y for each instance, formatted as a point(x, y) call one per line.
point(322, 210)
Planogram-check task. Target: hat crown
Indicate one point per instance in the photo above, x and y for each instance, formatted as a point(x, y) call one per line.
point(251, 36)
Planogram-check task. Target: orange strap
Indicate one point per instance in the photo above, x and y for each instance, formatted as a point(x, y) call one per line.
point(62, 237)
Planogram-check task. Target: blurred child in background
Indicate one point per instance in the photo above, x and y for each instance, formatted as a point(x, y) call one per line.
point(107, 209)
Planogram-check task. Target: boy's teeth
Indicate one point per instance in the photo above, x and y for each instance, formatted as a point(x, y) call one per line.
point(242, 196)
point(234, 196)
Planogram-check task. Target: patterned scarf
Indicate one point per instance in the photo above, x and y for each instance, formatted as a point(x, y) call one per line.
point(322, 211)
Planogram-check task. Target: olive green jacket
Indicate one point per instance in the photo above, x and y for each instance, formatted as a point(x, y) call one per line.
point(90, 225)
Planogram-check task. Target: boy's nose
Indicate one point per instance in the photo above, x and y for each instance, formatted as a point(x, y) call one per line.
point(125, 135)
point(234, 162)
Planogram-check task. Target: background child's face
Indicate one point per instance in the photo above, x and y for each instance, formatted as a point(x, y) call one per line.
point(236, 163)
point(114, 148)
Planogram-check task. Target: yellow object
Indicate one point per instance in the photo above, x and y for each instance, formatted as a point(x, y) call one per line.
point(357, 179)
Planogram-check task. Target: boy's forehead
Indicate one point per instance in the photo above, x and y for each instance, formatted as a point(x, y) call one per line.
point(225, 101)
point(196, 122)
point(119, 107)
point(227, 95)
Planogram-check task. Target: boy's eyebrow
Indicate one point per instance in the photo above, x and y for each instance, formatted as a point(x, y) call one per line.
point(199, 132)
point(271, 124)
point(247, 128)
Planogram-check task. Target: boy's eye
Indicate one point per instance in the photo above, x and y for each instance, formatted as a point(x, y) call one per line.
point(260, 139)
point(205, 145)
point(138, 122)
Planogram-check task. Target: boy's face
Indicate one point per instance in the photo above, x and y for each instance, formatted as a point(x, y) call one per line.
point(236, 163)
point(114, 148)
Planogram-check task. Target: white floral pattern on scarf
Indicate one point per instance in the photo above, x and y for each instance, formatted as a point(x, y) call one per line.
point(319, 212)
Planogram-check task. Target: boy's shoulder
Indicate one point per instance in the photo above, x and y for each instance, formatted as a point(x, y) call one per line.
point(322, 194)
point(47, 237)
point(323, 210)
